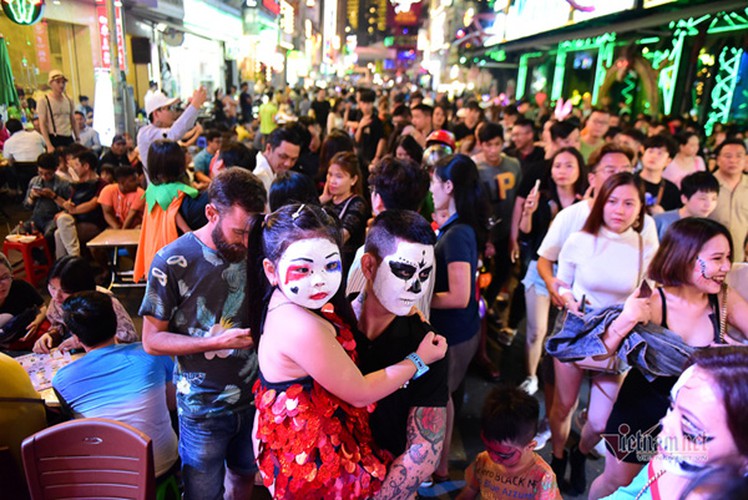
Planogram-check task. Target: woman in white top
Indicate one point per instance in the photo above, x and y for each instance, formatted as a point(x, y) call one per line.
point(687, 161)
point(335, 118)
point(602, 265)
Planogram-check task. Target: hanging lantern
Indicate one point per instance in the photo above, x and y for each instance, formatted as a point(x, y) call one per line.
point(24, 12)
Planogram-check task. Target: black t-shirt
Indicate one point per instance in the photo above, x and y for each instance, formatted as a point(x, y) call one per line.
point(86, 191)
point(245, 102)
point(390, 418)
point(461, 131)
point(670, 199)
point(20, 297)
point(540, 170)
point(370, 138)
point(115, 160)
point(537, 154)
point(321, 110)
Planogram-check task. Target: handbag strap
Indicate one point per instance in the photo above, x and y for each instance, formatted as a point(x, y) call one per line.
point(641, 259)
point(345, 207)
point(722, 314)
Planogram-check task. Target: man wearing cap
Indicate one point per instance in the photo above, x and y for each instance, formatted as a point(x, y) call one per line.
point(56, 121)
point(158, 107)
point(117, 154)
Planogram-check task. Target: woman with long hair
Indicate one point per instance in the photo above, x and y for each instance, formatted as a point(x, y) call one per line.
point(312, 435)
point(602, 265)
point(687, 160)
point(565, 186)
point(407, 148)
point(456, 190)
point(343, 196)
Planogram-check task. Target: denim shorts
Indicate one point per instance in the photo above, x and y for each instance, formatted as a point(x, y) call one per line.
point(208, 445)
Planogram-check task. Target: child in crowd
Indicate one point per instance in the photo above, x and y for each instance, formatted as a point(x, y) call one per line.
point(166, 192)
point(509, 468)
point(123, 203)
point(699, 192)
point(107, 174)
point(660, 193)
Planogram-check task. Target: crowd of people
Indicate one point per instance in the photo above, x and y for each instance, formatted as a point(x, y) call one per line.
point(318, 280)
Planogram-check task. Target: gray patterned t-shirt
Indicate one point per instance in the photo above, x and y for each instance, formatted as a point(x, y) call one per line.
point(193, 288)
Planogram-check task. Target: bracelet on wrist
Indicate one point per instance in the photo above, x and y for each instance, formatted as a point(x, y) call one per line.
point(421, 367)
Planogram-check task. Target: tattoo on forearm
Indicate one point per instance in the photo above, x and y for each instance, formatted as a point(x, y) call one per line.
point(425, 433)
point(431, 423)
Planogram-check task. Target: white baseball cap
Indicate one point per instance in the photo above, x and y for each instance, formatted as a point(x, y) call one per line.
point(158, 100)
point(56, 74)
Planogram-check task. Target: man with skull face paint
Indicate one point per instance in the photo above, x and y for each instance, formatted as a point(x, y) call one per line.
point(195, 308)
point(410, 423)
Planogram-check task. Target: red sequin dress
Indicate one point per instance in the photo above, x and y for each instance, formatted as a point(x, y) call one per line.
point(313, 444)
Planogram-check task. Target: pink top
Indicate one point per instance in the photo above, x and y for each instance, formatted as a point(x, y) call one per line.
point(675, 172)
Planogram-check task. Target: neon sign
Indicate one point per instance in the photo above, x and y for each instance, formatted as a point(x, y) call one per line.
point(23, 12)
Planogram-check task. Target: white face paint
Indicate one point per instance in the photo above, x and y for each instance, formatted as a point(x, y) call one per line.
point(310, 272)
point(402, 277)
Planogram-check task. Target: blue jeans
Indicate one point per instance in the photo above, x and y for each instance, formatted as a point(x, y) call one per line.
point(208, 445)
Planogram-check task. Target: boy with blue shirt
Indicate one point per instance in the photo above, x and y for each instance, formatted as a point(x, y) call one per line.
point(117, 381)
point(699, 192)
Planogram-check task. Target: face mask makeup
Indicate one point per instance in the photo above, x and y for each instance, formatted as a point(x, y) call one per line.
point(680, 455)
point(403, 276)
point(310, 272)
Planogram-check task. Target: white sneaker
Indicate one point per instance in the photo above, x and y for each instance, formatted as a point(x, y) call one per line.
point(530, 385)
point(543, 435)
point(599, 450)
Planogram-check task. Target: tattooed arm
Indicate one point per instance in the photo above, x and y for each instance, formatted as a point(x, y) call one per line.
point(425, 432)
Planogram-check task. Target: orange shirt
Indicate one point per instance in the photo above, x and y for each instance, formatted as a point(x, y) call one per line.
point(122, 203)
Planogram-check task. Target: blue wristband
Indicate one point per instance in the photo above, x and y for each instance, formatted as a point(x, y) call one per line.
point(421, 367)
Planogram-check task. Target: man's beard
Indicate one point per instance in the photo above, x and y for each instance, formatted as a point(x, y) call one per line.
point(232, 252)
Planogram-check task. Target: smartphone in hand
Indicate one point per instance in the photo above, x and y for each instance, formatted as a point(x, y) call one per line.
point(645, 291)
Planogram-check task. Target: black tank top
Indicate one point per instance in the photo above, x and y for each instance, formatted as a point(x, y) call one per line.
point(713, 316)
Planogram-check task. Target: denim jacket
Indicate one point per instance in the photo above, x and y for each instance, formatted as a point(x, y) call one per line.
point(654, 350)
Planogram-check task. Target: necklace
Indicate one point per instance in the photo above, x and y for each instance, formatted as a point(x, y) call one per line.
point(651, 481)
point(276, 306)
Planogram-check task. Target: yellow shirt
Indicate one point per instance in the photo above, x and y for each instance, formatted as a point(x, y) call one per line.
point(18, 419)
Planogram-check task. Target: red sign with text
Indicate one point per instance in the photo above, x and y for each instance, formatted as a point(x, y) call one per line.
point(102, 26)
point(41, 42)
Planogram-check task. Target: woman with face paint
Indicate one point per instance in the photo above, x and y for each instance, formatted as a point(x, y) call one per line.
point(704, 427)
point(690, 266)
point(602, 265)
point(312, 436)
point(456, 190)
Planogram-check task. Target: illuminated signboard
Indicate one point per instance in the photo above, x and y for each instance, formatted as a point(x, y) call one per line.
point(25, 12)
point(523, 19)
point(273, 6)
point(102, 23)
point(656, 3)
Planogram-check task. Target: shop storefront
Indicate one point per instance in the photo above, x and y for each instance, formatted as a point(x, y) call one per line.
point(65, 38)
point(658, 59)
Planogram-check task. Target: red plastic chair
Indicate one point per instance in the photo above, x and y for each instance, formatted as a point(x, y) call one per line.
point(89, 458)
point(35, 273)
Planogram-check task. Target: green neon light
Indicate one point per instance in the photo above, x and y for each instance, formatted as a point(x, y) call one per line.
point(724, 87)
point(669, 73)
point(728, 21)
point(627, 92)
point(22, 11)
point(522, 73)
point(497, 55)
point(645, 41)
point(605, 45)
